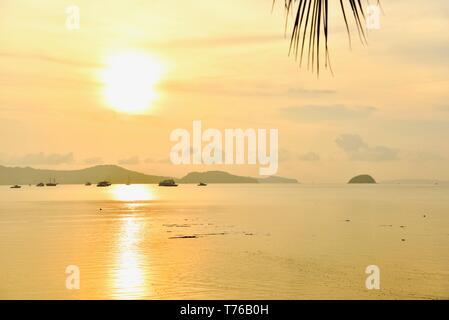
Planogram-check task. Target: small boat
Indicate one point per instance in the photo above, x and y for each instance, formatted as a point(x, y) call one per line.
point(51, 183)
point(202, 184)
point(88, 184)
point(40, 184)
point(103, 184)
point(168, 183)
point(16, 186)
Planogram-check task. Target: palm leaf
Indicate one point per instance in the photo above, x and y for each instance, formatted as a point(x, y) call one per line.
point(311, 22)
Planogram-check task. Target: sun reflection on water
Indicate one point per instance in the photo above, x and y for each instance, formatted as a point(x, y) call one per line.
point(135, 192)
point(129, 276)
point(129, 279)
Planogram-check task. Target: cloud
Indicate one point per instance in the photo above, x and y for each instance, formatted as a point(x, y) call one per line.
point(93, 160)
point(444, 108)
point(424, 156)
point(219, 41)
point(309, 157)
point(350, 142)
point(42, 159)
point(427, 51)
point(49, 59)
point(354, 146)
point(160, 161)
point(326, 112)
point(129, 161)
point(285, 156)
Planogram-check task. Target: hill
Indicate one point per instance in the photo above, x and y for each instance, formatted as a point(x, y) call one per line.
point(118, 175)
point(363, 178)
point(215, 177)
point(112, 173)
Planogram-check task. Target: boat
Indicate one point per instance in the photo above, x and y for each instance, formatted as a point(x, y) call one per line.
point(202, 184)
point(51, 183)
point(103, 184)
point(168, 183)
point(16, 186)
point(40, 184)
point(88, 184)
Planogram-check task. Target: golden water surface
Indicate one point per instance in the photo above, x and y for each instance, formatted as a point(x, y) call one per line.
point(224, 241)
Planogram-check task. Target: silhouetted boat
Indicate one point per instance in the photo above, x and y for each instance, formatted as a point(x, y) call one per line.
point(202, 184)
point(40, 184)
point(103, 184)
point(51, 183)
point(16, 186)
point(88, 184)
point(168, 183)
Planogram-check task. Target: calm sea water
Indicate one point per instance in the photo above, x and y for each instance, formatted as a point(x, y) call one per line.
point(225, 241)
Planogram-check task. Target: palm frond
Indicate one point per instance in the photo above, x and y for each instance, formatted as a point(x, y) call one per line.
point(311, 23)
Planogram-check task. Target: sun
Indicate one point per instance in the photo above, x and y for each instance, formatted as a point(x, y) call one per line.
point(130, 79)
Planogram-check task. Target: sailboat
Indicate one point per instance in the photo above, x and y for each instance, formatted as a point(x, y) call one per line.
point(51, 183)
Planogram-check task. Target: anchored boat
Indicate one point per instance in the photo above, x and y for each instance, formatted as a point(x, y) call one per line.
point(51, 183)
point(168, 183)
point(103, 184)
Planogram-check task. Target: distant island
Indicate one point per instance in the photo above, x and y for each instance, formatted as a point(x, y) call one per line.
point(215, 177)
point(363, 178)
point(118, 175)
point(417, 181)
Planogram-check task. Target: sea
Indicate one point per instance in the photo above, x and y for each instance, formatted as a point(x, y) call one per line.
point(225, 241)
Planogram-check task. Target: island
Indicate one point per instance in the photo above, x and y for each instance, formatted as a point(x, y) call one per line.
point(114, 174)
point(215, 177)
point(363, 178)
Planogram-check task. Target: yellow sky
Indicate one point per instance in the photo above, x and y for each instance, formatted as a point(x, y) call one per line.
point(384, 112)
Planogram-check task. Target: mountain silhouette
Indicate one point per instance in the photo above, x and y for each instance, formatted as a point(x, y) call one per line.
point(111, 173)
point(118, 175)
point(363, 178)
point(215, 177)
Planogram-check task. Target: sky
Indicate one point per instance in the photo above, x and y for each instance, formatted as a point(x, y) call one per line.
point(384, 111)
